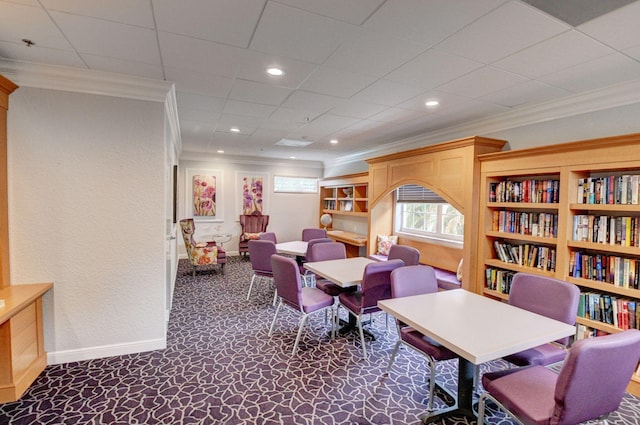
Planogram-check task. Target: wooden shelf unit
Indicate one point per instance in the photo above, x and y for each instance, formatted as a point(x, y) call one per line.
point(345, 195)
point(569, 163)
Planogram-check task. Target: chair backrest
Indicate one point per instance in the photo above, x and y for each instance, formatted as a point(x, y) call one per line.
point(260, 253)
point(268, 236)
point(413, 280)
point(313, 233)
point(254, 223)
point(376, 283)
point(546, 296)
point(312, 243)
point(188, 228)
point(408, 254)
point(594, 376)
point(326, 251)
point(286, 276)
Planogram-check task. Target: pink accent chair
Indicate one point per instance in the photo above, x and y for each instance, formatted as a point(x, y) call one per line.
point(251, 228)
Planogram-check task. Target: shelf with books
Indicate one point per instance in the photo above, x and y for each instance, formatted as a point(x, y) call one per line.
point(347, 199)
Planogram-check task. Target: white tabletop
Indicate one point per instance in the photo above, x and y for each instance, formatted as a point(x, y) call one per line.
point(345, 272)
point(293, 248)
point(475, 327)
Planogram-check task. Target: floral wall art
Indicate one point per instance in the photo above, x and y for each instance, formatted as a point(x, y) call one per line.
point(252, 192)
point(203, 194)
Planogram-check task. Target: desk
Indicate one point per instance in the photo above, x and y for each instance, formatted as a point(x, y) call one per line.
point(352, 241)
point(476, 328)
point(297, 248)
point(345, 272)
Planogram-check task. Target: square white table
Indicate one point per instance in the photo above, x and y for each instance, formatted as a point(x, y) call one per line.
point(297, 248)
point(476, 328)
point(344, 272)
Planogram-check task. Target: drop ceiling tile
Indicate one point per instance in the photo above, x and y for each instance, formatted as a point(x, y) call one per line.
point(282, 27)
point(243, 122)
point(618, 29)
point(397, 115)
point(557, 53)
point(321, 127)
point(123, 67)
point(199, 55)
point(252, 92)
point(634, 52)
point(428, 22)
point(595, 74)
point(484, 40)
point(290, 118)
point(334, 82)
point(253, 66)
point(199, 101)
point(19, 51)
point(312, 102)
point(198, 82)
point(20, 21)
point(111, 39)
point(198, 115)
point(385, 92)
point(526, 93)
point(132, 12)
point(482, 82)
point(432, 68)
point(196, 129)
point(235, 107)
point(357, 109)
point(371, 53)
point(352, 11)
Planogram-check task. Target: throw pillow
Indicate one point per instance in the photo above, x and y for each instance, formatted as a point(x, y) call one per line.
point(384, 244)
point(251, 236)
point(459, 272)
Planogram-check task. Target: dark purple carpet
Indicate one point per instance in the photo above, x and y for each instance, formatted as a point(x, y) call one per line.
point(220, 367)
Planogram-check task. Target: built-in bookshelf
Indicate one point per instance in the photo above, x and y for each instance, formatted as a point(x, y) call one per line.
point(347, 195)
point(569, 211)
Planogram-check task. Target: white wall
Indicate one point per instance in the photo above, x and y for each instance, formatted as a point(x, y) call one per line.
point(288, 213)
point(86, 211)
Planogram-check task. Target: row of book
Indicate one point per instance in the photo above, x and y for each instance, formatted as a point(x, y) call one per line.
point(498, 280)
point(624, 231)
point(535, 191)
point(609, 190)
point(618, 271)
point(526, 223)
point(526, 255)
point(622, 313)
point(329, 205)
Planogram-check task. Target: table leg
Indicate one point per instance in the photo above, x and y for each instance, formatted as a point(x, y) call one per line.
point(464, 407)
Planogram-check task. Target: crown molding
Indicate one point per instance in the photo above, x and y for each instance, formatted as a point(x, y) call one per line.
point(622, 94)
point(28, 74)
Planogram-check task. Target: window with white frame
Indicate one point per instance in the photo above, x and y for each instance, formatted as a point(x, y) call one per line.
point(422, 213)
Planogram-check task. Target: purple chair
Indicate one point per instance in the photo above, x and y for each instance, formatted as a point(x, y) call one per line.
point(375, 286)
point(313, 233)
point(289, 287)
point(268, 236)
point(591, 383)
point(326, 252)
point(260, 253)
point(304, 272)
point(408, 254)
point(416, 280)
point(548, 297)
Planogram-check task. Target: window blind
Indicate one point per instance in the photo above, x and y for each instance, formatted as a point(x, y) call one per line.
point(417, 194)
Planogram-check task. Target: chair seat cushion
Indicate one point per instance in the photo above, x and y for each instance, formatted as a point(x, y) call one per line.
point(542, 355)
point(331, 288)
point(426, 344)
point(353, 302)
point(251, 236)
point(532, 388)
point(314, 299)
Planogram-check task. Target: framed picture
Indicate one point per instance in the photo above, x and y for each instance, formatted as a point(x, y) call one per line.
point(203, 194)
point(252, 193)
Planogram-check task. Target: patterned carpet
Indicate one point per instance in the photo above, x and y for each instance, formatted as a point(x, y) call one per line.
point(220, 367)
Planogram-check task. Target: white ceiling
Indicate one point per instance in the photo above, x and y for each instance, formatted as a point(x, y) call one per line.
point(358, 71)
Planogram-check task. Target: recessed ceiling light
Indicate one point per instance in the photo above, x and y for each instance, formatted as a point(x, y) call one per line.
point(234, 130)
point(292, 157)
point(432, 103)
point(333, 141)
point(274, 71)
point(220, 151)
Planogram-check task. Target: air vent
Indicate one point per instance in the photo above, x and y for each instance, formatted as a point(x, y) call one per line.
point(294, 143)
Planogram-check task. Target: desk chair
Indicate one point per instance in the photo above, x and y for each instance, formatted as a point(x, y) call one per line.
point(289, 287)
point(375, 286)
point(591, 383)
point(415, 280)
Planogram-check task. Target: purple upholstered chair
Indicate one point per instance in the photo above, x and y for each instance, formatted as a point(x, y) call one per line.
point(548, 297)
point(268, 236)
point(289, 286)
point(326, 252)
point(306, 275)
point(260, 253)
point(591, 383)
point(375, 286)
point(408, 254)
point(415, 280)
point(313, 233)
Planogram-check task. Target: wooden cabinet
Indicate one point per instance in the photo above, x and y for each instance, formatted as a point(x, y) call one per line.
point(564, 202)
point(345, 195)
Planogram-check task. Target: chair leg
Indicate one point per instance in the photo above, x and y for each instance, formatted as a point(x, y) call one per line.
point(432, 381)
point(393, 355)
point(303, 320)
point(253, 278)
point(481, 406)
point(193, 273)
point(222, 269)
point(275, 316)
point(360, 328)
point(275, 296)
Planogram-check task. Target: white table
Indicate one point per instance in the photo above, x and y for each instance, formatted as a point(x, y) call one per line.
point(476, 328)
point(297, 248)
point(221, 238)
point(345, 272)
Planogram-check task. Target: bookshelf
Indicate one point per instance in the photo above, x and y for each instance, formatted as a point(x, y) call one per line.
point(345, 195)
point(591, 230)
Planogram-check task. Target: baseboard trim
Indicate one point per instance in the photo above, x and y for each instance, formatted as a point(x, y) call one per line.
point(68, 356)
